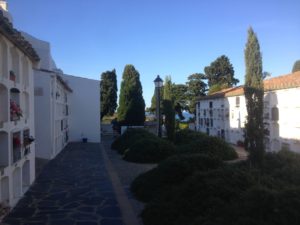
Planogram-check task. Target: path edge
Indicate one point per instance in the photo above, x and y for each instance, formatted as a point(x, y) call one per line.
point(128, 214)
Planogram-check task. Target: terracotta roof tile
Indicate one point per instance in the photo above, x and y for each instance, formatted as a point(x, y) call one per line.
point(276, 83)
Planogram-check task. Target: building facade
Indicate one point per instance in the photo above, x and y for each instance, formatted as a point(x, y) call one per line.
point(51, 95)
point(17, 149)
point(224, 113)
point(84, 109)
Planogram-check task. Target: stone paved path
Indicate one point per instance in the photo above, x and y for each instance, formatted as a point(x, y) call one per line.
point(127, 172)
point(73, 189)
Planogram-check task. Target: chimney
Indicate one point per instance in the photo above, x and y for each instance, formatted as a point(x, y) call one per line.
point(4, 9)
point(3, 5)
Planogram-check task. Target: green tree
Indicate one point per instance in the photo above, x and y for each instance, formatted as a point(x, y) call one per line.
point(180, 99)
point(168, 108)
point(131, 109)
point(108, 93)
point(220, 72)
point(168, 86)
point(169, 112)
point(196, 87)
point(254, 93)
point(296, 66)
point(153, 99)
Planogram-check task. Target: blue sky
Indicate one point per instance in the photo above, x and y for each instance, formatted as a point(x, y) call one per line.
point(166, 37)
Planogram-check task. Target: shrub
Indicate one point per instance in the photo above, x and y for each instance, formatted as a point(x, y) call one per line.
point(209, 145)
point(170, 172)
point(149, 150)
point(129, 137)
point(203, 196)
point(275, 207)
point(234, 194)
point(187, 136)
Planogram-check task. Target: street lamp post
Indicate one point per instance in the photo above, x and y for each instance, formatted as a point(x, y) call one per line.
point(158, 84)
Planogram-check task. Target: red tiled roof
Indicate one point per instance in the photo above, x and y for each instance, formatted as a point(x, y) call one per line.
point(276, 83)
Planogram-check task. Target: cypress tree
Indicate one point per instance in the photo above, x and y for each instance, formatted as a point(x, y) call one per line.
point(254, 93)
point(108, 93)
point(167, 91)
point(131, 111)
point(296, 66)
point(168, 109)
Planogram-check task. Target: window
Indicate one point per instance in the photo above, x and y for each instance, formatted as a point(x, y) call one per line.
point(61, 125)
point(211, 122)
point(210, 104)
point(204, 112)
point(275, 114)
point(210, 113)
point(237, 102)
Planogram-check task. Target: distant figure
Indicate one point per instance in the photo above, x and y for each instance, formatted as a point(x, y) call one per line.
point(116, 127)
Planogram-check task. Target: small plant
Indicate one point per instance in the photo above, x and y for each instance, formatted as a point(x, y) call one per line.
point(15, 111)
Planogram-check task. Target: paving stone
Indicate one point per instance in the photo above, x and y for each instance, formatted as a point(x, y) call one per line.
point(62, 222)
point(84, 216)
point(87, 223)
point(72, 189)
point(112, 222)
point(113, 212)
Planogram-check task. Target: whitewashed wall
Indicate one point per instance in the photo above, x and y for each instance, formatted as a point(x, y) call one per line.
point(43, 114)
point(84, 108)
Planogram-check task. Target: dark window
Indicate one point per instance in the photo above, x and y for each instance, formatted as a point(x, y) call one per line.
point(61, 125)
point(67, 110)
point(275, 114)
point(237, 101)
point(210, 104)
point(204, 112)
point(211, 122)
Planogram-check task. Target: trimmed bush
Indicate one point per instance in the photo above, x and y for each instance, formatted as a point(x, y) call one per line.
point(149, 150)
point(129, 137)
point(203, 196)
point(187, 136)
point(170, 172)
point(234, 194)
point(195, 142)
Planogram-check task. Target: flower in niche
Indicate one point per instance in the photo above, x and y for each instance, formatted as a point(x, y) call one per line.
point(15, 110)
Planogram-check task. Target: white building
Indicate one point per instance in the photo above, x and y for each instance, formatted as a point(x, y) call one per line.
point(51, 94)
point(224, 113)
point(17, 151)
point(67, 108)
point(84, 104)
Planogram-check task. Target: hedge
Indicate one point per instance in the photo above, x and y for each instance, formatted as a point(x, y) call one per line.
point(149, 150)
point(170, 172)
point(129, 137)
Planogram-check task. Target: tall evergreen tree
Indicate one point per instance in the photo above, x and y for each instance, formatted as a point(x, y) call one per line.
point(296, 66)
point(108, 93)
point(254, 93)
point(168, 108)
point(168, 86)
point(131, 109)
point(220, 73)
point(196, 88)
